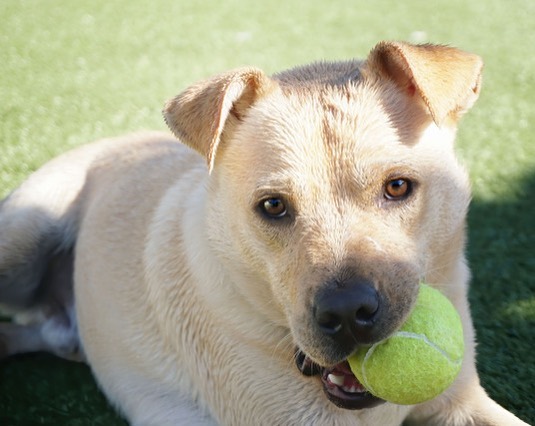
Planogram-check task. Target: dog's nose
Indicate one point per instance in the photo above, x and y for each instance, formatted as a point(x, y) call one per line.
point(347, 311)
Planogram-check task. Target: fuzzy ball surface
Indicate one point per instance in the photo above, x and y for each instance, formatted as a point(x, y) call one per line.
point(421, 360)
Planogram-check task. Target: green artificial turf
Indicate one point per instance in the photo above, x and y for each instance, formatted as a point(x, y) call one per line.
point(71, 72)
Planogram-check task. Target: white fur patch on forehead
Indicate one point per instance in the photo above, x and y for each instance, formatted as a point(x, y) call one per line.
point(305, 121)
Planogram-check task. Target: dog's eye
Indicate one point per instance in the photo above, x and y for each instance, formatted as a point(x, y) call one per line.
point(397, 189)
point(273, 208)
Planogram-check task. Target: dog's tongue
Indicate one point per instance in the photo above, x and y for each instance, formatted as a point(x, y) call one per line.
point(341, 376)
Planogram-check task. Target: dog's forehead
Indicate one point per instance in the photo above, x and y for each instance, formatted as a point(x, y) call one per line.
point(318, 129)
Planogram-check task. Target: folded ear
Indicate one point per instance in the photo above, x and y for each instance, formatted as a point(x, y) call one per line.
point(199, 115)
point(447, 80)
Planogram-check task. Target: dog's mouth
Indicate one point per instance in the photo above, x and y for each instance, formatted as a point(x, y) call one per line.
point(340, 385)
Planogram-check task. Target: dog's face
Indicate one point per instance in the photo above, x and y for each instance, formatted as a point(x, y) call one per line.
point(325, 201)
point(329, 202)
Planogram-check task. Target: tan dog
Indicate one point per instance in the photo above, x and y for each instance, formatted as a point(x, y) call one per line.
point(330, 191)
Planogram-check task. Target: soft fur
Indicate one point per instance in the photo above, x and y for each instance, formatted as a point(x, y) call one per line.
point(190, 301)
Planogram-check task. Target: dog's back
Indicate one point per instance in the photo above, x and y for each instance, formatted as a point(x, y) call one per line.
point(39, 225)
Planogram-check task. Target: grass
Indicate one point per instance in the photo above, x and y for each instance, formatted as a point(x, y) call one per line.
point(75, 71)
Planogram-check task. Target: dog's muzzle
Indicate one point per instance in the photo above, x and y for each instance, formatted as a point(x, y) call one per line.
point(344, 315)
point(340, 385)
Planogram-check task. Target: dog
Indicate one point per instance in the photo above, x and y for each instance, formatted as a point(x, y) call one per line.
point(226, 280)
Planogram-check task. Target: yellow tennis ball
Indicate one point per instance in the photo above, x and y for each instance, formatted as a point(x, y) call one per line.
point(421, 360)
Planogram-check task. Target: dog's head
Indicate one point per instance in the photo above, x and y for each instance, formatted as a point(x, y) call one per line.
point(335, 191)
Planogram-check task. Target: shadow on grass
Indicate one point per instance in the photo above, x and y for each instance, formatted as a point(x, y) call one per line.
point(501, 251)
point(40, 389)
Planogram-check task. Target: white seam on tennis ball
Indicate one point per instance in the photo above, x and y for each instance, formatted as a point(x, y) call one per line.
point(369, 353)
point(423, 337)
point(410, 335)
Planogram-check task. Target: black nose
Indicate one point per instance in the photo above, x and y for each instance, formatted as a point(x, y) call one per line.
point(347, 311)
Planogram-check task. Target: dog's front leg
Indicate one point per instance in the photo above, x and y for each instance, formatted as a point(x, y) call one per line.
point(472, 407)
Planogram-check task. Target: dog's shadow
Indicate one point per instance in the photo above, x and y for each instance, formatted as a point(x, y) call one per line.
point(501, 252)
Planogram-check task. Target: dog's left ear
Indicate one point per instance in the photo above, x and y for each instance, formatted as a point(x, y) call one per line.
point(199, 115)
point(446, 79)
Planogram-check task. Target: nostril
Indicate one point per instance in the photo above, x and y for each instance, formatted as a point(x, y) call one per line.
point(366, 314)
point(329, 322)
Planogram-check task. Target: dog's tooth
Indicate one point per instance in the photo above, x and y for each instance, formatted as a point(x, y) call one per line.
point(337, 380)
point(349, 389)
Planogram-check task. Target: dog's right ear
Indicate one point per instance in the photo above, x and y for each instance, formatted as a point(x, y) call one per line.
point(199, 115)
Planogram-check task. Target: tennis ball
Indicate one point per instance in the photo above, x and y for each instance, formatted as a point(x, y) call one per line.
point(419, 361)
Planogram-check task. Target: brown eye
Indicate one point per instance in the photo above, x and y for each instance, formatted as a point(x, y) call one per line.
point(273, 208)
point(397, 189)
